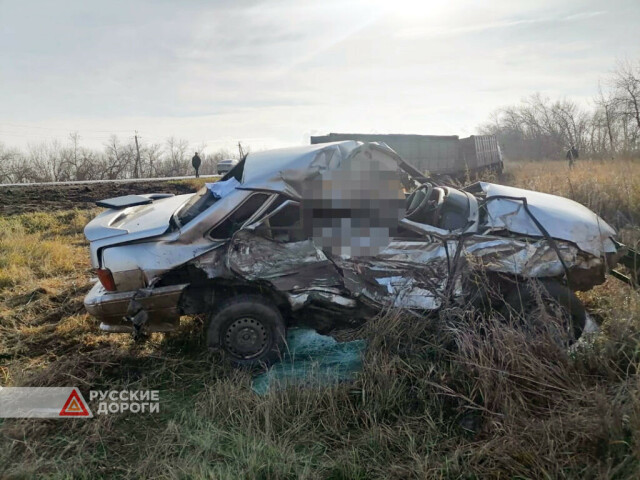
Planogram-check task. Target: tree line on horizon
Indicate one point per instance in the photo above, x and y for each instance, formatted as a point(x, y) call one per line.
point(540, 128)
point(57, 162)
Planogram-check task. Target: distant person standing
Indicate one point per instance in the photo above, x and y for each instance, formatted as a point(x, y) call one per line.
point(196, 162)
point(572, 155)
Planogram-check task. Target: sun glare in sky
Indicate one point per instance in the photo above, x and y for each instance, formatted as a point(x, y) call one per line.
point(416, 10)
point(273, 72)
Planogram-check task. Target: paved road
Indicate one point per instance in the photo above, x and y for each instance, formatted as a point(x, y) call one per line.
point(94, 182)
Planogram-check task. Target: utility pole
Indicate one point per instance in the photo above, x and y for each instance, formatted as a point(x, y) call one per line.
point(137, 169)
point(240, 150)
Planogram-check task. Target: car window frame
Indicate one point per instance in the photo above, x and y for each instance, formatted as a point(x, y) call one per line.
point(283, 205)
point(270, 199)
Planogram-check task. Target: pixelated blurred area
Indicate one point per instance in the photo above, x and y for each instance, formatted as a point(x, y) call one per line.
point(353, 209)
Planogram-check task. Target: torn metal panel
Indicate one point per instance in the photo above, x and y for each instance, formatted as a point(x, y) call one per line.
point(161, 305)
point(288, 266)
point(410, 274)
point(301, 300)
point(298, 301)
point(285, 170)
point(213, 263)
point(564, 219)
point(406, 293)
point(529, 259)
point(417, 274)
point(149, 260)
point(418, 253)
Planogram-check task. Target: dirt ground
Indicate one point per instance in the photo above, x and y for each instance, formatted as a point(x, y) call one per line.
point(33, 198)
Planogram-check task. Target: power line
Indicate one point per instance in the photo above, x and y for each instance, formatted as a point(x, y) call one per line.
point(137, 156)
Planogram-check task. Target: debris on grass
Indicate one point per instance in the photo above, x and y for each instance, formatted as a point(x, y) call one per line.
point(312, 360)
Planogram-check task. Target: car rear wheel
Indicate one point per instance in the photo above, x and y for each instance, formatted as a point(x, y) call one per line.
point(547, 305)
point(249, 329)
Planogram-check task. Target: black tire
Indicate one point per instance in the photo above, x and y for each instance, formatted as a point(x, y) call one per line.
point(249, 329)
point(532, 299)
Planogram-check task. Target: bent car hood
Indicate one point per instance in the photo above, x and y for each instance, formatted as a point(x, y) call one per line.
point(564, 219)
point(138, 221)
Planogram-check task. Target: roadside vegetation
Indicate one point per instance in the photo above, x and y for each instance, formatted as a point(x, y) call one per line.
point(70, 160)
point(539, 128)
point(447, 397)
point(611, 188)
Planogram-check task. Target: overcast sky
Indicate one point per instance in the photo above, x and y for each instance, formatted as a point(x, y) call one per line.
point(270, 73)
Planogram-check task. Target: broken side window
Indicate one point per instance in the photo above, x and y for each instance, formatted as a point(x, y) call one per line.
point(238, 217)
point(197, 204)
point(284, 225)
point(204, 198)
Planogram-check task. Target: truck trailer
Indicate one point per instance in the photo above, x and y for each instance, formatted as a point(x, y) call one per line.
point(434, 154)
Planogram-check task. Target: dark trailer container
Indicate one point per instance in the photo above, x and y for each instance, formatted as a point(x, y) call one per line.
point(435, 154)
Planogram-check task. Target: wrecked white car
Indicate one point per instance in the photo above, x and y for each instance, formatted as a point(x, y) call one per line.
point(325, 235)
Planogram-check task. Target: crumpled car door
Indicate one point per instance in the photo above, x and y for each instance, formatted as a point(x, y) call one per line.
point(407, 274)
point(287, 266)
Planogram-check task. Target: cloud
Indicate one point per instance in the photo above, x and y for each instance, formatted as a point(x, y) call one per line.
point(274, 70)
point(481, 27)
point(583, 15)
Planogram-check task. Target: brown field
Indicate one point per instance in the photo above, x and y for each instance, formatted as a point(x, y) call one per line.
point(42, 198)
point(611, 189)
point(448, 397)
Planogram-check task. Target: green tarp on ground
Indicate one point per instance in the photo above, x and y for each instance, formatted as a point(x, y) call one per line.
point(311, 360)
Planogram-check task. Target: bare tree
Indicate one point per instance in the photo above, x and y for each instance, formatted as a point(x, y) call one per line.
point(538, 127)
point(152, 156)
point(10, 163)
point(541, 128)
point(46, 162)
point(606, 104)
point(120, 159)
point(79, 163)
point(626, 80)
point(177, 162)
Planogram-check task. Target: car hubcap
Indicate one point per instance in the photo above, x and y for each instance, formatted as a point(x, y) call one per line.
point(246, 338)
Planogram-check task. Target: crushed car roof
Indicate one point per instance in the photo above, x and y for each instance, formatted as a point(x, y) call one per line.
point(277, 170)
point(264, 167)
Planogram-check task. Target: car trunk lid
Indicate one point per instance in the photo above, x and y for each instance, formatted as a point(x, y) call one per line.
point(139, 221)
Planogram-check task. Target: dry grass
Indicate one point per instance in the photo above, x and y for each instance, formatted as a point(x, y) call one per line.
point(611, 189)
point(457, 396)
point(194, 183)
point(41, 245)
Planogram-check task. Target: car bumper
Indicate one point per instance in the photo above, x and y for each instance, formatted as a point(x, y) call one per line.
point(111, 308)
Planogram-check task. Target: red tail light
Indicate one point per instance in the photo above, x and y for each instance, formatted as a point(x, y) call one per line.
point(106, 279)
